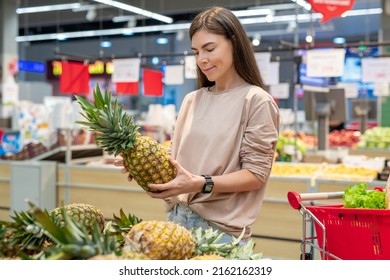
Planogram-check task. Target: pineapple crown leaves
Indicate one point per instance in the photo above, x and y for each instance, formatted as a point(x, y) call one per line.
point(245, 252)
point(26, 233)
point(122, 224)
point(4, 228)
point(73, 240)
point(115, 130)
point(207, 241)
point(50, 227)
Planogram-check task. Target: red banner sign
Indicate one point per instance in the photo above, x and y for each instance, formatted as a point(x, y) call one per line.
point(331, 8)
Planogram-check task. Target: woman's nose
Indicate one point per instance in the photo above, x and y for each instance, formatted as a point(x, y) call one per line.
point(202, 58)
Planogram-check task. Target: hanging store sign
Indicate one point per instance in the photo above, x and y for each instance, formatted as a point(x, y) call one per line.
point(376, 70)
point(54, 68)
point(325, 63)
point(126, 70)
point(331, 8)
point(31, 66)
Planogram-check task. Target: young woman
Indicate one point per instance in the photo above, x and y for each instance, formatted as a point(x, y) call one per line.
point(225, 136)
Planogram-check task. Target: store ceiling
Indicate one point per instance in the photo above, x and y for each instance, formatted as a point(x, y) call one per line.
point(357, 28)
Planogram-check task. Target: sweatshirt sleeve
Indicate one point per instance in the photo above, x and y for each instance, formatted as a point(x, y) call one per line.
point(260, 136)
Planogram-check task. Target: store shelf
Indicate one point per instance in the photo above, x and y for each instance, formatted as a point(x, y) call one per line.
point(372, 152)
point(85, 152)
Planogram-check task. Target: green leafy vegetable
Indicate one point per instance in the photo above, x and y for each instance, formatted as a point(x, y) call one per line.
point(356, 196)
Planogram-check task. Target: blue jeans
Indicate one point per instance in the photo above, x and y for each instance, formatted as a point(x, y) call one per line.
point(189, 219)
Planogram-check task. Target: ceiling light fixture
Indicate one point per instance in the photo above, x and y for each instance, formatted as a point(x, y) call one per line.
point(339, 40)
point(182, 26)
point(91, 14)
point(162, 40)
point(104, 32)
point(47, 8)
point(252, 12)
point(117, 19)
point(136, 10)
point(303, 4)
point(105, 44)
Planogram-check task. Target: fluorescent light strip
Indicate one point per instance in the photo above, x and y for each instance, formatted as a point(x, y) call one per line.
point(136, 10)
point(286, 18)
point(372, 11)
point(126, 18)
point(48, 8)
point(252, 12)
point(104, 32)
point(308, 17)
point(180, 26)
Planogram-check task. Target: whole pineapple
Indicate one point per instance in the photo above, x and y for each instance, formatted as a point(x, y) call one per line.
point(83, 213)
point(72, 240)
point(25, 236)
point(160, 240)
point(117, 133)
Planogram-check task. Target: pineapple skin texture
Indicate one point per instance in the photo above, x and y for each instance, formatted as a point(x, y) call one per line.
point(160, 240)
point(148, 162)
point(86, 214)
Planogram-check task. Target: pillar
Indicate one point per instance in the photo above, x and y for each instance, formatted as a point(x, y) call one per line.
point(385, 26)
point(8, 50)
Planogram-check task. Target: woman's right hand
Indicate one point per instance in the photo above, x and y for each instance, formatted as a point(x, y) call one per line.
point(120, 163)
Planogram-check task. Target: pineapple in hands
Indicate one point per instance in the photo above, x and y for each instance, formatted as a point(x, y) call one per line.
point(116, 132)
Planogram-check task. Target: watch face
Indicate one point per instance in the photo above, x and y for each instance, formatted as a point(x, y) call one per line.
point(208, 188)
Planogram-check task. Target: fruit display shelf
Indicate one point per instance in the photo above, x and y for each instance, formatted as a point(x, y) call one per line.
point(324, 171)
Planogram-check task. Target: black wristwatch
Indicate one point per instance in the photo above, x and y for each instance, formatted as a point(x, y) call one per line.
point(209, 185)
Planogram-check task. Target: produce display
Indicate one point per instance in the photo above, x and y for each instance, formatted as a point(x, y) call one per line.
point(305, 141)
point(117, 133)
point(343, 172)
point(289, 146)
point(295, 170)
point(64, 234)
point(344, 138)
point(324, 171)
point(376, 137)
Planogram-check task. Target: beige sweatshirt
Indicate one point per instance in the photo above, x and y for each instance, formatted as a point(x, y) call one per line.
point(220, 133)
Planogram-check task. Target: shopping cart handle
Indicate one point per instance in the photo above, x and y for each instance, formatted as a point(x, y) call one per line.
point(295, 199)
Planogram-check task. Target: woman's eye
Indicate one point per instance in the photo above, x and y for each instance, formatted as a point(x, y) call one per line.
point(210, 50)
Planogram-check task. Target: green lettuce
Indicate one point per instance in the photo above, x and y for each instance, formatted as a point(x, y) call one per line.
point(356, 196)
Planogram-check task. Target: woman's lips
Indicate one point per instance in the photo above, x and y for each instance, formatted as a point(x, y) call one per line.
point(207, 69)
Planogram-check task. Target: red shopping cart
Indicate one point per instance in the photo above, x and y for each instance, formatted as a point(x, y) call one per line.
point(341, 233)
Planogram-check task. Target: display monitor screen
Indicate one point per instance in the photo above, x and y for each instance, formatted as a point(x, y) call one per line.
point(313, 99)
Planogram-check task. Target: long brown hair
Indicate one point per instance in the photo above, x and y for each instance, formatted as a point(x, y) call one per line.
point(221, 21)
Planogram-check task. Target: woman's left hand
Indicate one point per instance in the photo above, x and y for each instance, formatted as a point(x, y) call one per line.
point(184, 182)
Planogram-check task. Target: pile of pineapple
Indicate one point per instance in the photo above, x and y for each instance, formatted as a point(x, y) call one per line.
point(79, 231)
